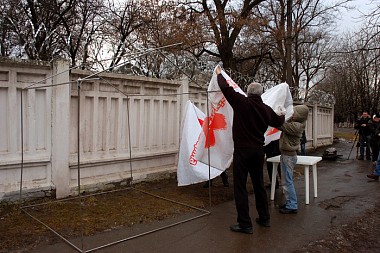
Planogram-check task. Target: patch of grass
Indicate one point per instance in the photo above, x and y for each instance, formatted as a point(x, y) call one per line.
point(124, 208)
point(344, 135)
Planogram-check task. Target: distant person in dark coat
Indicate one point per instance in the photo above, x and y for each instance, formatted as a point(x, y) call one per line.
point(375, 140)
point(303, 143)
point(364, 129)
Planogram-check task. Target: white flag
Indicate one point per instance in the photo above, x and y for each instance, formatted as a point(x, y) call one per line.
point(216, 132)
point(191, 171)
point(278, 98)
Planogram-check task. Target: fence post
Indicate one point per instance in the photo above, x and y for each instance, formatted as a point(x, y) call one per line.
point(60, 128)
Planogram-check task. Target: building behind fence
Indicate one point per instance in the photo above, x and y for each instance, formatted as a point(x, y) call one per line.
point(40, 113)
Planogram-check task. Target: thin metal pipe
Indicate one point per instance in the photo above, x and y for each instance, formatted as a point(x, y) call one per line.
point(130, 147)
point(170, 200)
point(353, 144)
point(58, 84)
point(115, 87)
point(22, 142)
point(146, 233)
point(205, 212)
point(129, 140)
point(75, 197)
point(128, 121)
point(183, 72)
point(78, 136)
point(52, 230)
point(112, 191)
point(137, 56)
point(49, 85)
point(74, 67)
point(208, 149)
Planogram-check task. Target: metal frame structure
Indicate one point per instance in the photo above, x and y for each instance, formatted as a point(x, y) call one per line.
point(80, 202)
point(80, 197)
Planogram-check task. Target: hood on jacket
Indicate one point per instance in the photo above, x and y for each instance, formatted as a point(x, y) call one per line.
point(300, 113)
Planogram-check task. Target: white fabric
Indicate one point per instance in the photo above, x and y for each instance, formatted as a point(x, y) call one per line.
point(216, 132)
point(191, 171)
point(280, 100)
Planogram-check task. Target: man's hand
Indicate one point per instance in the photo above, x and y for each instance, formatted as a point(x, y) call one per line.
point(218, 70)
point(280, 110)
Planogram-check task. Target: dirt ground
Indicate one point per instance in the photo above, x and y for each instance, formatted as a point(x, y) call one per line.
point(359, 235)
point(127, 206)
point(101, 212)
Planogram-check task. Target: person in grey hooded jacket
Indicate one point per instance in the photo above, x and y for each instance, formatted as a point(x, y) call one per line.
point(289, 143)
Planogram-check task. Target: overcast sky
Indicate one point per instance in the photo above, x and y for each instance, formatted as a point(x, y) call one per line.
point(352, 18)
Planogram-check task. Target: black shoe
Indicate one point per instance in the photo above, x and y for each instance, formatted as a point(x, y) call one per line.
point(360, 158)
point(288, 211)
point(237, 228)
point(373, 176)
point(263, 223)
point(368, 158)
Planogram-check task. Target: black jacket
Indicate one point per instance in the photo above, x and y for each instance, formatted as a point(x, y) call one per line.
point(363, 130)
point(251, 117)
point(375, 136)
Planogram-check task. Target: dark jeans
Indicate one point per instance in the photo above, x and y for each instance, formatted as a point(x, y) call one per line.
point(375, 153)
point(249, 161)
point(365, 141)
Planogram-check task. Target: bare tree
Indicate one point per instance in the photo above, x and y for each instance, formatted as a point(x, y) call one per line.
point(79, 30)
point(39, 25)
point(7, 36)
point(313, 60)
point(123, 19)
point(226, 19)
point(312, 25)
point(354, 78)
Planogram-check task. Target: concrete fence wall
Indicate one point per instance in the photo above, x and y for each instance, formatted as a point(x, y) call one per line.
point(114, 111)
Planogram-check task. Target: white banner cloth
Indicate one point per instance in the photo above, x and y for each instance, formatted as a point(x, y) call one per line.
point(279, 99)
point(216, 131)
point(191, 171)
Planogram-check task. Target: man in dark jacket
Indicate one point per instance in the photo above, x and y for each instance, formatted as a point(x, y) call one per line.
point(250, 121)
point(375, 145)
point(363, 126)
point(375, 141)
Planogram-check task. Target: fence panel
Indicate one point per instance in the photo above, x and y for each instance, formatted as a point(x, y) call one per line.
point(129, 127)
